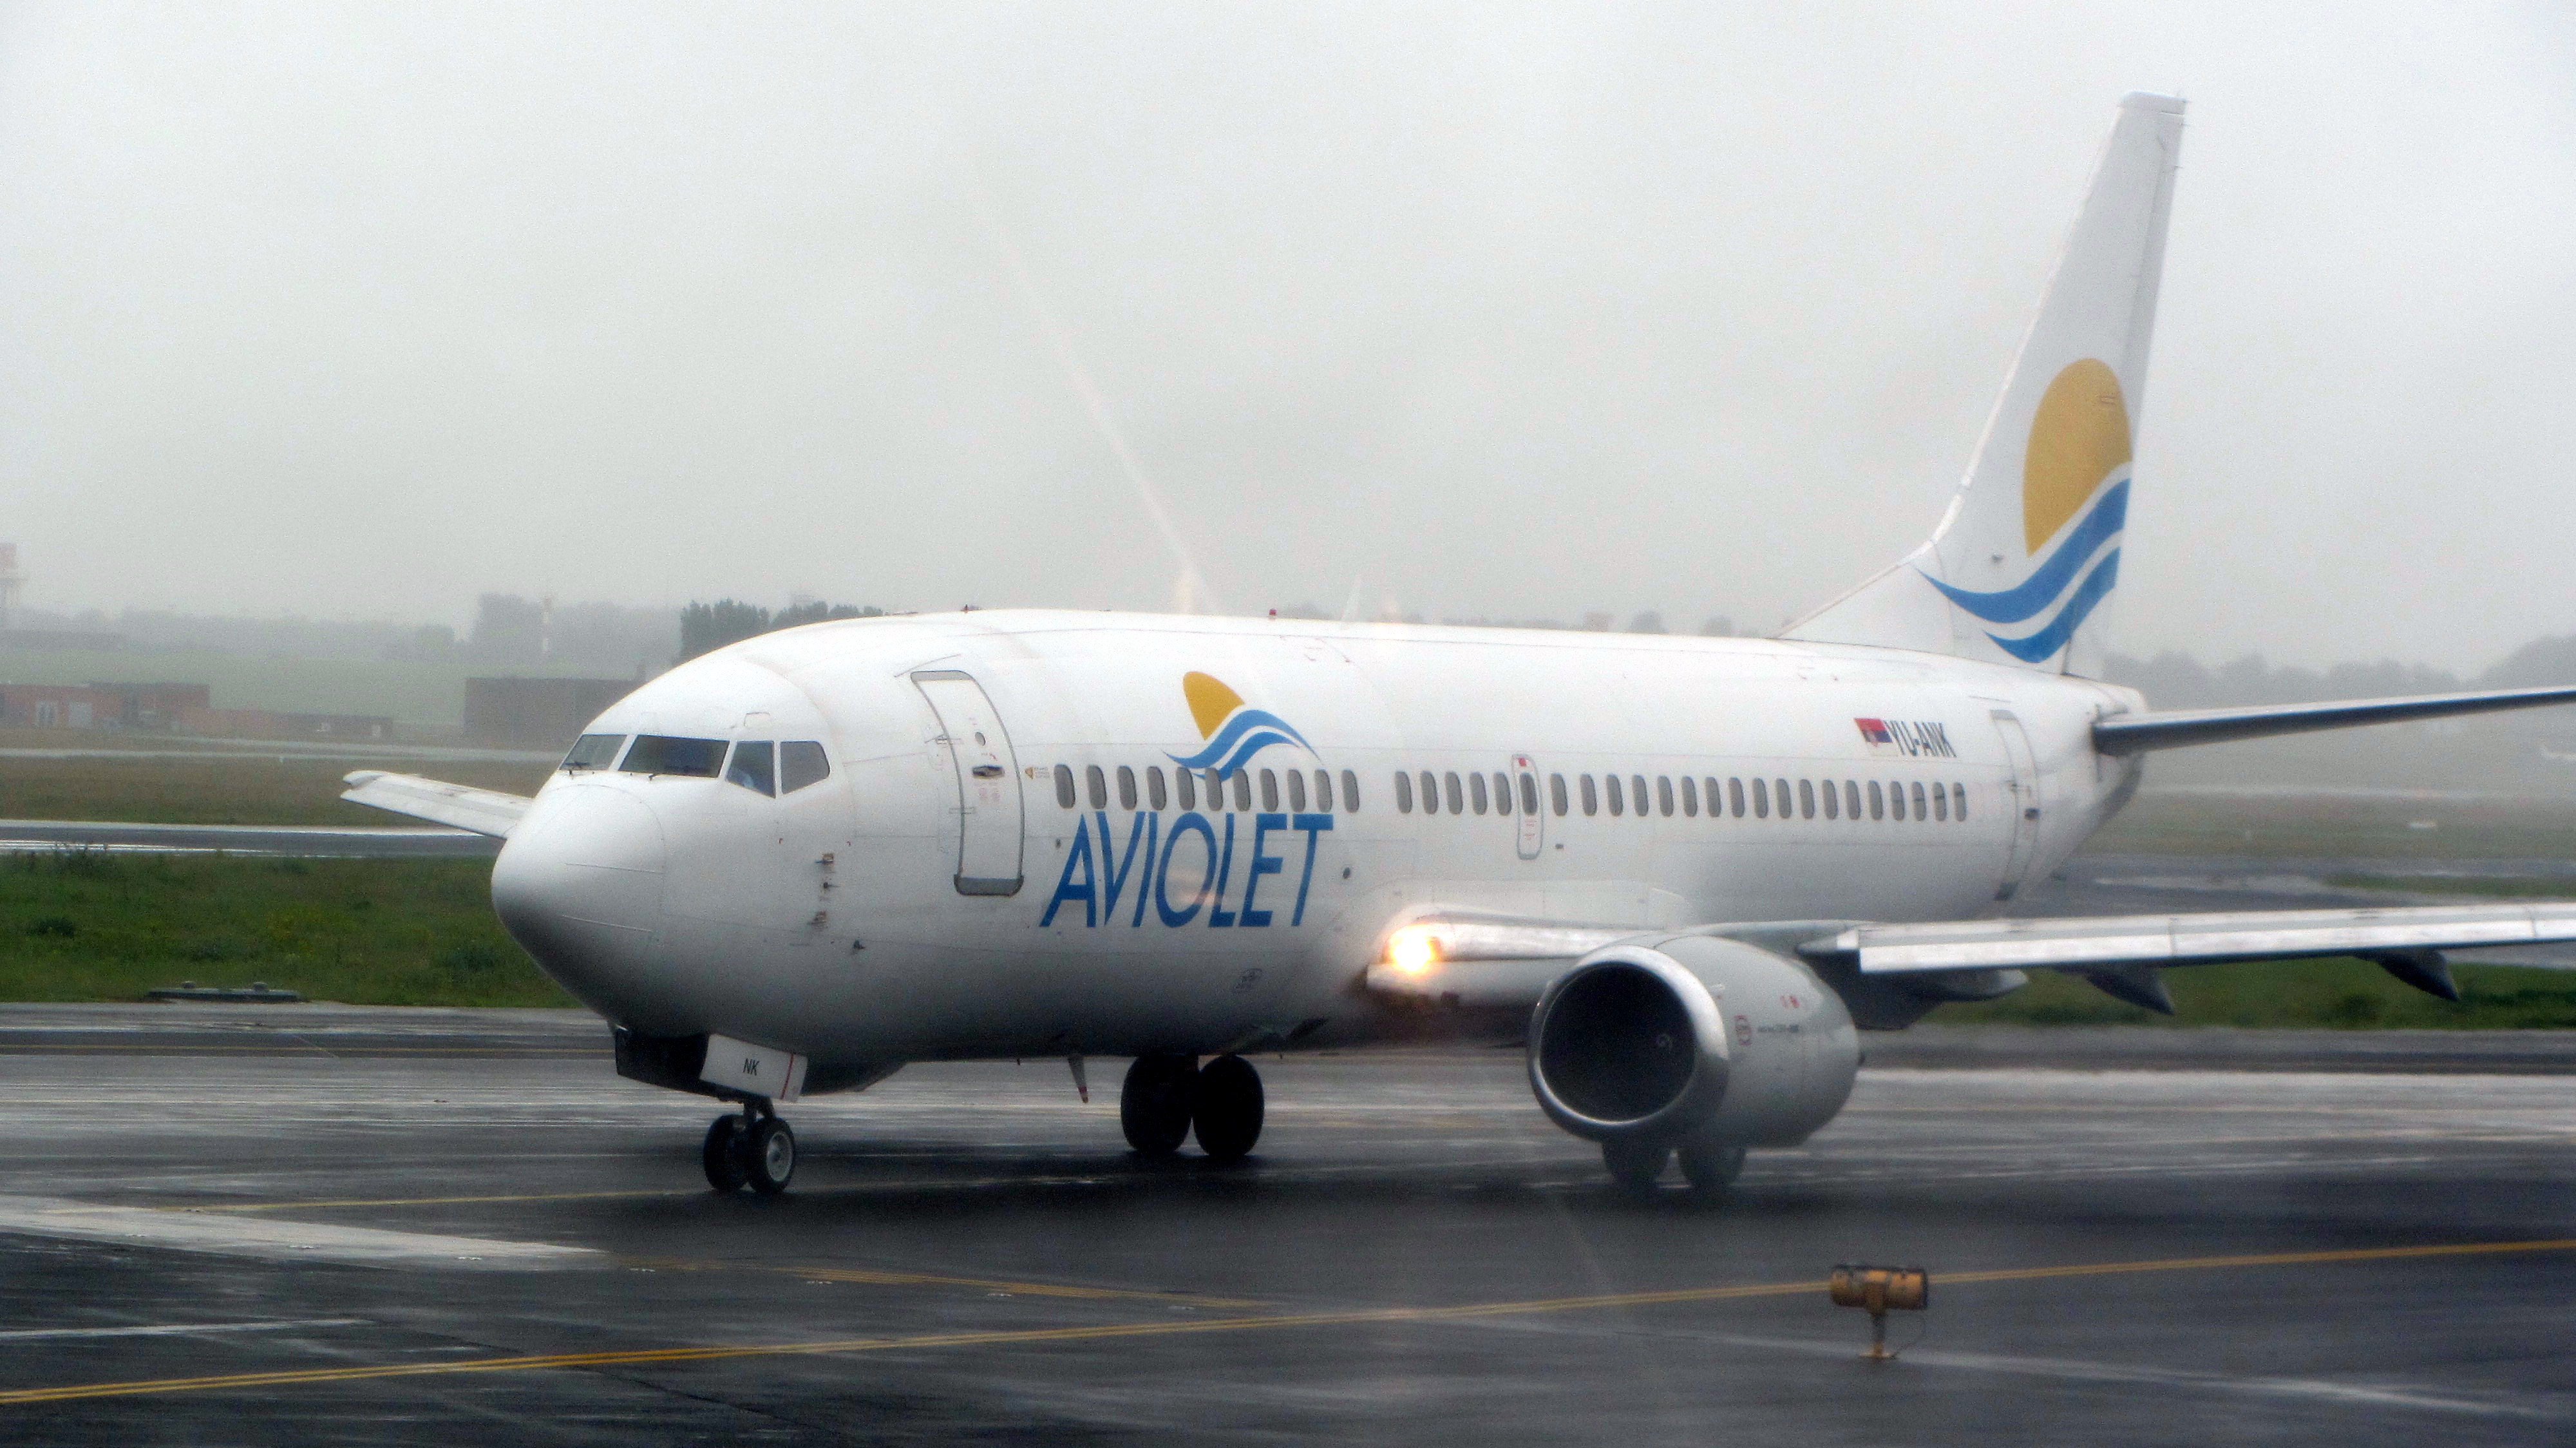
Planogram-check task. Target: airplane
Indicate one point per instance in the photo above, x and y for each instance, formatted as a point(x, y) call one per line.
point(1683, 873)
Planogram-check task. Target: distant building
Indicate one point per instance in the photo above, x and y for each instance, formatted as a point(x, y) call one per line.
point(97, 706)
point(273, 724)
point(536, 713)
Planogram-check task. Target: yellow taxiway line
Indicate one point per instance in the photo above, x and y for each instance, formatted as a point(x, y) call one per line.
point(647, 1356)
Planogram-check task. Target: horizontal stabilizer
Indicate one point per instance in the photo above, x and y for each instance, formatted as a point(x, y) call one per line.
point(2174, 728)
point(484, 811)
point(2108, 944)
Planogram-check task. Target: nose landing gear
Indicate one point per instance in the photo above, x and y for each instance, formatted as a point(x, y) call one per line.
point(754, 1149)
point(1166, 1097)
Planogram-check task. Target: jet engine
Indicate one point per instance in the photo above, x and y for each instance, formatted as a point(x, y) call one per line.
point(1695, 1041)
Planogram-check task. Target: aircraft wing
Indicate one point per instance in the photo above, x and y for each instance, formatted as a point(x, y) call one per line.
point(1474, 960)
point(484, 811)
point(2174, 728)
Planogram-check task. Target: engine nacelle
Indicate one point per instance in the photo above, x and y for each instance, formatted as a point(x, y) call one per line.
point(1663, 1038)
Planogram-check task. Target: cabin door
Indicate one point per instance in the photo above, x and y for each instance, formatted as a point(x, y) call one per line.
point(2022, 797)
point(988, 782)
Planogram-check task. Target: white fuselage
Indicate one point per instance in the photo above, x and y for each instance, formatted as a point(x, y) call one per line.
point(835, 920)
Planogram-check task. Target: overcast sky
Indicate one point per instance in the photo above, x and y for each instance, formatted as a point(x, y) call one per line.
point(358, 311)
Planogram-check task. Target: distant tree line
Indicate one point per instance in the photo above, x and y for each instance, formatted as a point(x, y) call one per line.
point(2175, 680)
point(706, 627)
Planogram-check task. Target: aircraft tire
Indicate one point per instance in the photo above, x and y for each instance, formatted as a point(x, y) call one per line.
point(1226, 1109)
point(1711, 1166)
point(723, 1155)
point(1635, 1164)
point(769, 1156)
point(1154, 1104)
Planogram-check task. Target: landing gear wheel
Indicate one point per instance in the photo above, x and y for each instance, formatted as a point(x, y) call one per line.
point(1712, 1166)
point(1636, 1164)
point(1154, 1105)
point(1226, 1109)
point(723, 1155)
point(769, 1156)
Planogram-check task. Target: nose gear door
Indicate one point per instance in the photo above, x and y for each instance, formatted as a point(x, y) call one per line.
point(988, 782)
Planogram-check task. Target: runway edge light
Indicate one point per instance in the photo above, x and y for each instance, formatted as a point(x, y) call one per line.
point(1880, 1290)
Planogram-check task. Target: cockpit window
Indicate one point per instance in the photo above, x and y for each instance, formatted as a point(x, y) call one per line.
point(664, 754)
point(754, 766)
point(801, 762)
point(594, 751)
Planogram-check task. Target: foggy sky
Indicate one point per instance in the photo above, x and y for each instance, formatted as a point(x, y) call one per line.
point(358, 311)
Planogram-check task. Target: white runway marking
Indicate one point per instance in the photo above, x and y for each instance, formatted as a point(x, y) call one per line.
point(267, 1237)
point(176, 1329)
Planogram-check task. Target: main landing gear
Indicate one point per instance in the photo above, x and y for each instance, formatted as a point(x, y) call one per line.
point(1709, 1165)
point(1167, 1097)
point(754, 1149)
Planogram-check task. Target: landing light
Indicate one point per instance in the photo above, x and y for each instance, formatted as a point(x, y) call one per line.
point(1880, 1290)
point(1413, 949)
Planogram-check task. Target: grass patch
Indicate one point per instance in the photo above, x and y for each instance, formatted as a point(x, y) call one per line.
point(262, 790)
point(2494, 888)
point(91, 925)
point(2367, 827)
point(2339, 993)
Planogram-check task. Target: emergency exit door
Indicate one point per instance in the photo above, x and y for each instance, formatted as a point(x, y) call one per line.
point(2023, 797)
point(988, 782)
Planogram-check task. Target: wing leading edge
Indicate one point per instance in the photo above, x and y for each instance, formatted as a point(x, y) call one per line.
point(484, 811)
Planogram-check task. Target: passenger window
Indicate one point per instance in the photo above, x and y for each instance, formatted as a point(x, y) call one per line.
point(1735, 798)
point(1896, 801)
point(1556, 794)
point(754, 766)
point(1324, 790)
point(1780, 794)
point(1502, 793)
point(1959, 803)
point(1529, 795)
point(1243, 790)
point(1591, 797)
point(1430, 793)
point(1099, 785)
point(1940, 805)
point(1350, 792)
point(1475, 791)
point(1457, 796)
point(1761, 800)
point(1403, 792)
point(663, 754)
point(1215, 790)
point(1806, 799)
point(1270, 791)
point(1126, 787)
point(1851, 798)
point(1833, 801)
point(1690, 797)
point(1297, 790)
point(1637, 793)
point(594, 751)
point(1064, 785)
point(1186, 785)
point(1618, 805)
point(1918, 799)
point(1877, 803)
point(1155, 797)
point(1664, 795)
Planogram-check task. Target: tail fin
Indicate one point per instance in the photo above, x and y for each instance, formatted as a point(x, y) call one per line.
point(2025, 560)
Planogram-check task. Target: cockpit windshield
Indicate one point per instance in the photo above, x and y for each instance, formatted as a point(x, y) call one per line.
point(594, 751)
point(666, 754)
point(754, 766)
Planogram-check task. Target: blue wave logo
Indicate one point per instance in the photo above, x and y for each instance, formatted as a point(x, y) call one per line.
point(1234, 730)
point(2055, 578)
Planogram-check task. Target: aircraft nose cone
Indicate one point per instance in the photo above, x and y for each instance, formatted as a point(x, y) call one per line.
point(579, 886)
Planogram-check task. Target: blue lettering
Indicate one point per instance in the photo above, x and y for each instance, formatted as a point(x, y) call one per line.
point(1190, 823)
point(1065, 888)
point(1218, 917)
point(1262, 865)
point(1112, 881)
point(1313, 825)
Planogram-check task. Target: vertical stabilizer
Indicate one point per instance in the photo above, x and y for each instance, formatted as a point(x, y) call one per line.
point(2022, 568)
